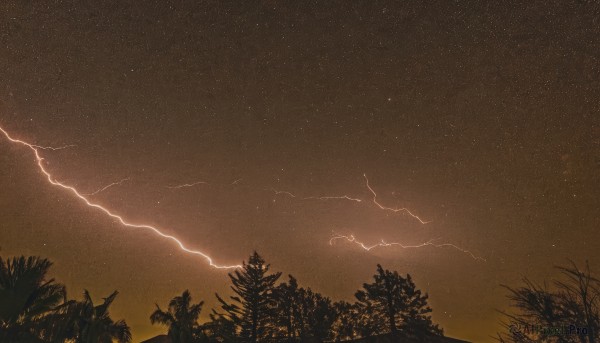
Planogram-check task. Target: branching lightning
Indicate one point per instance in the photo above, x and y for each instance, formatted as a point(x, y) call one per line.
point(341, 197)
point(382, 244)
point(108, 186)
point(395, 210)
point(36, 151)
point(346, 197)
point(53, 148)
point(351, 238)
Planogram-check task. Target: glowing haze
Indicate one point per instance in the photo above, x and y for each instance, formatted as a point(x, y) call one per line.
point(152, 147)
point(40, 163)
point(84, 197)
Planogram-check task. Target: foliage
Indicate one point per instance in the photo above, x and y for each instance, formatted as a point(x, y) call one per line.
point(391, 304)
point(33, 309)
point(27, 298)
point(555, 315)
point(254, 304)
point(302, 313)
point(92, 323)
point(346, 324)
point(181, 318)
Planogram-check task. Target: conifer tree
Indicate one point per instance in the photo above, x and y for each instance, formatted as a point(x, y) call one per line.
point(396, 305)
point(253, 306)
point(304, 314)
point(288, 314)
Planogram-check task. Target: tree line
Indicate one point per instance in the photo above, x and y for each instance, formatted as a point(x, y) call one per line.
point(261, 309)
point(34, 309)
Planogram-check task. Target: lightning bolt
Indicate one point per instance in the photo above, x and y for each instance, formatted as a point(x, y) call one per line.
point(108, 186)
point(39, 159)
point(291, 195)
point(281, 192)
point(383, 244)
point(343, 197)
point(395, 210)
point(186, 185)
point(346, 197)
point(53, 148)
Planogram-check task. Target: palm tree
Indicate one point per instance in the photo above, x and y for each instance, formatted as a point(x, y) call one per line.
point(181, 318)
point(27, 298)
point(92, 324)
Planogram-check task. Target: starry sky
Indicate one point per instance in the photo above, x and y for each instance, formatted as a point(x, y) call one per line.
point(479, 117)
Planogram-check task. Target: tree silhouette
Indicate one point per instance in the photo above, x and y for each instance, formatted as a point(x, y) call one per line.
point(181, 319)
point(220, 329)
point(318, 313)
point(92, 323)
point(393, 304)
point(303, 313)
point(27, 298)
point(288, 313)
point(573, 306)
point(369, 319)
point(33, 310)
point(253, 306)
point(345, 326)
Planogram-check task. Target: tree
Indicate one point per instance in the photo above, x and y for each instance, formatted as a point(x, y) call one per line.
point(92, 323)
point(181, 318)
point(302, 313)
point(220, 329)
point(369, 319)
point(253, 306)
point(395, 305)
point(318, 315)
point(288, 314)
point(345, 326)
point(572, 306)
point(27, 298)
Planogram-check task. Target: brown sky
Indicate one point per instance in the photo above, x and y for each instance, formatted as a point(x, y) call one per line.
point(481, 118)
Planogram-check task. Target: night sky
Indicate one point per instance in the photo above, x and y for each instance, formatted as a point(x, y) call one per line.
point(482, 118)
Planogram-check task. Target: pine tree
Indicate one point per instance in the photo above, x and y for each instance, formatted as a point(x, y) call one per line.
point(253, 306)
point(396, 305)
point(346, 324)
point(303, 314)
point(318, 315)
point(288, 315)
